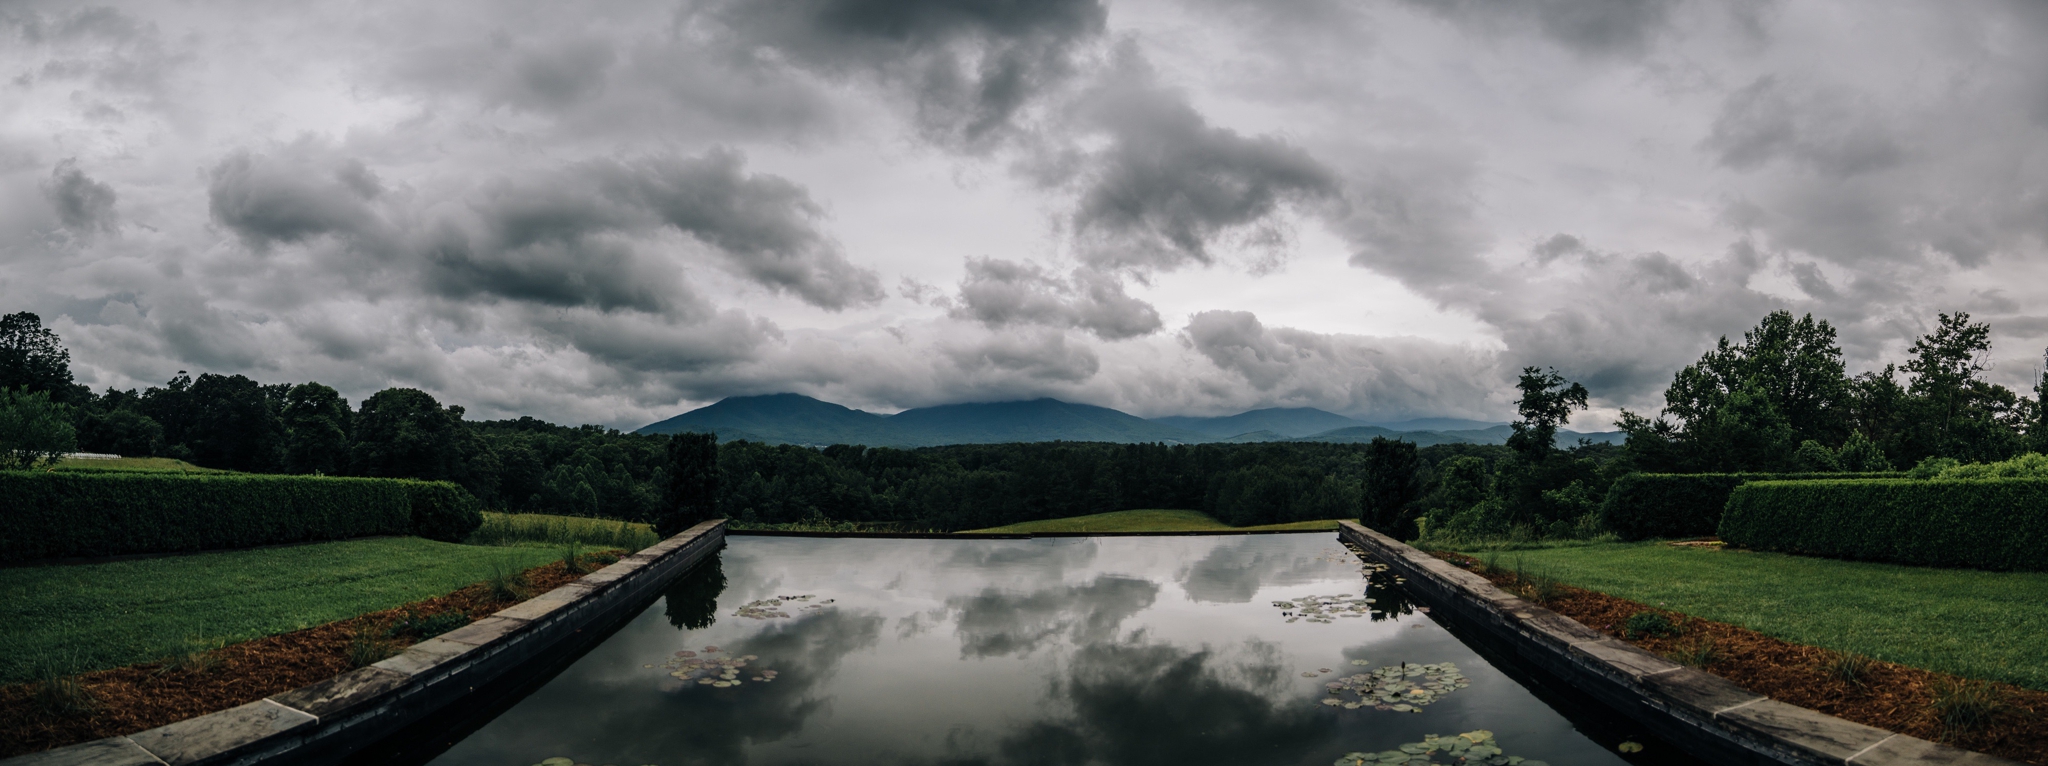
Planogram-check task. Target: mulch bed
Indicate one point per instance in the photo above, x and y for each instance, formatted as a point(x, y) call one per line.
point(1889, 696)
point(140, 697)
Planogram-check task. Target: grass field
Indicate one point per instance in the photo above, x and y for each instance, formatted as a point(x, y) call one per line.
point(1150, 520)
point(146, 464)
point(95, 616)
point(537, 529)
point(1990, 625)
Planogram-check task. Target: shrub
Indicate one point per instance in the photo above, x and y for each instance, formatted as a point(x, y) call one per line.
point(33, 430)
point(2032, 465)
point(1985, 524)
point(62, 513)
point(443, 511)
point(1641, 506)
point(1648, 624)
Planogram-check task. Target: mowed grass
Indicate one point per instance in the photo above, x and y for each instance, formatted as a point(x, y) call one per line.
point(143, 464)
point(95, 616)
point(1148, 520)
point(1989, 625)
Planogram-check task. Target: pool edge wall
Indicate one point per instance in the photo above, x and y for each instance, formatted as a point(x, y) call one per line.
point(1711, 718)
point(328, 721)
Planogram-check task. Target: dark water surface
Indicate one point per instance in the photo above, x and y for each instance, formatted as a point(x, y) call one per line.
point(1128, 650)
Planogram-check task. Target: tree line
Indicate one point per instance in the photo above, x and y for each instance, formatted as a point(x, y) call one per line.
point(1777, 401)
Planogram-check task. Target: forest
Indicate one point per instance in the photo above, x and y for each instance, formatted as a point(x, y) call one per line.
point(1777, 400)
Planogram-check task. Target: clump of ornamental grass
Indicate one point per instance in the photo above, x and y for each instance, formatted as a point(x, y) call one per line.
point(57, 694)
point(1965, 706)
point(1848, 668)
point(507, 582)
point(1698, 653)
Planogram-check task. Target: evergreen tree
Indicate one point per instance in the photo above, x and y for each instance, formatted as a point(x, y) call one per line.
point(1391, 485)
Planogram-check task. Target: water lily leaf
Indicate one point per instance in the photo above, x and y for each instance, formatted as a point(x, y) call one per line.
point(1630, 747)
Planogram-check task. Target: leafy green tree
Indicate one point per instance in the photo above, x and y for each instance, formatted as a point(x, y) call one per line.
point(692, 493)
point(406, 433)
point(316, 419)
point(1746, 407)
point(1815, 457)
point(228, 421)
point(1860, 455)
point(1391, 484)
point(114, 423)
point(1952, 411)
point(33, 358)
point(1547, 402)
point(34, 430)
point(2037, 431)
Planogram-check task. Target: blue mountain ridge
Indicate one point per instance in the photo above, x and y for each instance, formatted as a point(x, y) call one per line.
point(799, 419)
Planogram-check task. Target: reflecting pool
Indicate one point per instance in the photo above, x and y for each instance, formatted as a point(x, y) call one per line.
point(1126, 650)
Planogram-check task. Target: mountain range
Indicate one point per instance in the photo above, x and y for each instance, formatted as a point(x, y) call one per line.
point(799, 419)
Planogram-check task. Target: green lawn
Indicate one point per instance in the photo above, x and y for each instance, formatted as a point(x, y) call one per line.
point(544, 530)
point(96, 616)
point(1150, 520)
point(145, 464)
point(1991, 625)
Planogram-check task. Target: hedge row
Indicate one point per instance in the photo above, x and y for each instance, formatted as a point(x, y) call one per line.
point(63, 513)
point(1983, 524)
point(1645, 505)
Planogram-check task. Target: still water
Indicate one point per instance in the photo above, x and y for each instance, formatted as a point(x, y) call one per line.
point(1128, 650)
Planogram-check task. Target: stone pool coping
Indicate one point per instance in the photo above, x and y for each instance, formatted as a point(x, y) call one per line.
point(328, 721)
point(1706, 715)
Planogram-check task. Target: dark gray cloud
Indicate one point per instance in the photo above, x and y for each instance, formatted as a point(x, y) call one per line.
point(1025, 357)
point(292, 196)
point(83, 205)
point(1389, 377)
point(1169, 184)
point(999, 293)
point(970, 68)
point(1590, 27)
point(1831, 132)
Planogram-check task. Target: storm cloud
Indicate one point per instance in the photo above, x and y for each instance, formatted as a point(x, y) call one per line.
point(1383, 209)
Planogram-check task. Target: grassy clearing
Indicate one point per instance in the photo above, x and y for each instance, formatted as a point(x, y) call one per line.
point(542, 530)
point(144, 464)
point(1148, 520)
point(96, 616)
point(1976, 624)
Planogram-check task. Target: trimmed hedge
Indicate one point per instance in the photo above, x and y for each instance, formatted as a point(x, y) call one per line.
point(1641, 506)
point(1985, 524)
point(61, 514)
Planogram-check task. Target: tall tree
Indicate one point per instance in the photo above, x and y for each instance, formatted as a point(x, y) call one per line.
point(231, 423)
point(1954, 412)
point(1547, 402)
point(33, 358)
point(692, 493)
point(1391, 484)
point(316, 419)
point(405, 433)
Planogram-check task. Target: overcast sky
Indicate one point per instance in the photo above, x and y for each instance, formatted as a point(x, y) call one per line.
point(615, 211)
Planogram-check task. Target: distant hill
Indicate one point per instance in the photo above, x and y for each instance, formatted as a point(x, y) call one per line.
point(1439, 424)
point(799, 419)
point(784, 418)
point(1038, 420)
point(1285, 421)
point(1363, 434)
